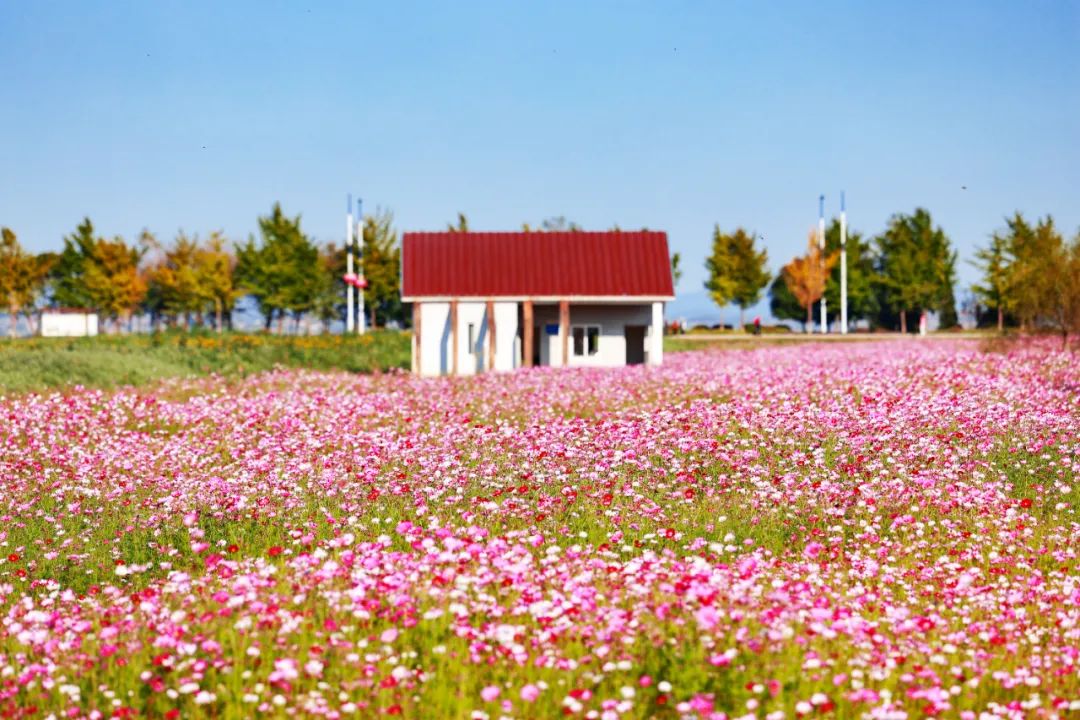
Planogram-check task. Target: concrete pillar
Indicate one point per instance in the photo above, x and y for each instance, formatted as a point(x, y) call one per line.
point(564, 330)
point(656, 334)
point(417, 358)
point(490, 335)
point(453, 337)
point(527, 333)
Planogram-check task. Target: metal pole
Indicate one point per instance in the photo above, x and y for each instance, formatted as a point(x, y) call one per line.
point(361, 321)
point(350, 320)
point(843, 266)
point(821, 247)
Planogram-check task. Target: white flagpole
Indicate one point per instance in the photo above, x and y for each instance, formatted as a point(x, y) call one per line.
point(361, 320)
point(821, 246)
point(350, 319)
point(843, 266)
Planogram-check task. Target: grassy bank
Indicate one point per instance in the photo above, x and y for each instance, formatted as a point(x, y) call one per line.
point(110, 361)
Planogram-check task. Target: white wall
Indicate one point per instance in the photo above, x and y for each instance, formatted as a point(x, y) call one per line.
point(612, 319)
point(55, 324)
point(436, 347)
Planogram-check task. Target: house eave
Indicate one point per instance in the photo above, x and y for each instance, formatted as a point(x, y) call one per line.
point(597, 299)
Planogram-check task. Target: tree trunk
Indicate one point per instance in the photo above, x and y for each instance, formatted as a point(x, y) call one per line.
point(217, 314)
point(1001, 319)
point(13, 318)
point(371, 325)
point(809, 318)
point(269, 319)
point(903, 322)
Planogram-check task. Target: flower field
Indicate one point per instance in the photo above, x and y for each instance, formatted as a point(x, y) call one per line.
point(874, 530)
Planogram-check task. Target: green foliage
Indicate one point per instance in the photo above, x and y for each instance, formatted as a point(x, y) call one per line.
point(278, 271)
point(67, 288)
point(737, 271)
point(191, 278)
point(861, 290)
point(96, 273)
point(782, 302)
point(462, 224)
point(381, 265)
point(111, 361)
point(22, 277)
point(330, 297)
point(1035, 250)
point(676, 270)
point(995, 261)
point(917, 267)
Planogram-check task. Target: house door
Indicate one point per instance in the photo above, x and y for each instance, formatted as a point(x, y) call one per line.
point(635, 344)
point(538, 337)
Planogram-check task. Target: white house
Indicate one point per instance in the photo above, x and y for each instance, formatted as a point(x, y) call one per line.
point(68, 323)
point(484, 301)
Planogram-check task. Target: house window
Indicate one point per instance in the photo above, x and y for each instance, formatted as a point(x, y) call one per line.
point(586, 339)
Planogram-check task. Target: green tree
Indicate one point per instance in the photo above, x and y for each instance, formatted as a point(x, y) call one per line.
point(282, 271)
point(330, 299)
point(381, 263)
point(720, 265)
point(737, 271)
point(22, 277)
point(861, 276)
point(782, 302)
point(99, 274)
point(806, 276)
point(1062, 288)
point(917, 268)
point(1034, 250)
point(112, 279)
point(67, 275)
point(173, 280)
point(462, 224)
point(676, 270)
point(215, 275)
point(995, 261)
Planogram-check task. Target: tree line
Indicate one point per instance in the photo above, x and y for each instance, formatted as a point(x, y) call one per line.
point(1030, 275)
point(294, 281)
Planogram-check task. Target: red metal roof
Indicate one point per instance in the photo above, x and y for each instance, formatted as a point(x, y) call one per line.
point(536, 264)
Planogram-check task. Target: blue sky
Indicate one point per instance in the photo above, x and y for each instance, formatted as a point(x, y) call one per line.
point(671, 115)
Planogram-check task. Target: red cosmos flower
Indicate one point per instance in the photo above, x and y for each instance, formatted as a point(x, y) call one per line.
point(233, 548)
point(13, 557)
point(1025, 503)
point(606, 499)
point(275, 551)
point(172, 714)
point(688, 493)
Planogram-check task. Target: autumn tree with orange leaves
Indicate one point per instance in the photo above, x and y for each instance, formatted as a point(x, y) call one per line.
point(805, 276)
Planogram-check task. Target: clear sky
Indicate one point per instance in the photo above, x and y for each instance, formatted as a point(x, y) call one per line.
point(671, 115)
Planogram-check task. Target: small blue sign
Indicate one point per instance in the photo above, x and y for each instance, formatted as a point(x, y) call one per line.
point(551, 329)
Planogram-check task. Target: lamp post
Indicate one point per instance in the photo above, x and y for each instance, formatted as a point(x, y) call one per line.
point(350, 318)
point(361, 321)
point(821, 247)
point(843, 266)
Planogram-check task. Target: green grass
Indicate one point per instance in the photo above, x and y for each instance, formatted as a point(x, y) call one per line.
point(116, 360)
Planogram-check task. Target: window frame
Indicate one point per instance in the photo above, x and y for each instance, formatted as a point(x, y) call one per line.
point(585, 332)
